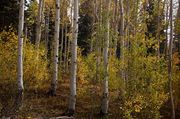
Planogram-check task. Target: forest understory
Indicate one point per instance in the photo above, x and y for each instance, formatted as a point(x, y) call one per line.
point(38, 104)
point(90, 59)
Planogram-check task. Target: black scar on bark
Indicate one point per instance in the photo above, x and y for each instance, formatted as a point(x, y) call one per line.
point(52, 92)
point(18, 101)
point(102, 114)
point(69, 113)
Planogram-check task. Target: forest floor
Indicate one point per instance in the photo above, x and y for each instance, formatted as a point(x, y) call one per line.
point(38, 105)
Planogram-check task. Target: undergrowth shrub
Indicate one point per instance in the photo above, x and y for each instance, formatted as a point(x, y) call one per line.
point(34, 68)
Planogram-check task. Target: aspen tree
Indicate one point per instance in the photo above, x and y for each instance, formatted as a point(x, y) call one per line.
point(158, 29)
point(39, 22)
point(127, 40)
point(62, 40)
point(98, 44)
point(170, 61)
point(72, 100)
point(70, 36)
point(136, 7)
point(65, 49)
point(127, 25)
point(177, 23)
point(47, 30)
point(68, 54)
point(166, 28)
point(56, 50)
point(19, 96)
point(122, 44)
point(115, 20)
point(20, 47)
point(105, 100)
point(94, 22)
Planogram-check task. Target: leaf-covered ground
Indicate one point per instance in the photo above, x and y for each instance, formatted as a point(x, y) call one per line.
point(38, 104)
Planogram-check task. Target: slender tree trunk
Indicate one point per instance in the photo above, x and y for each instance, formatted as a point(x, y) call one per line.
point(26, 32)
point(115, 27)
point(39, 22)
point(20, 47)
point(98, 45)
point(170, 61)
point(19, 97)
point(122, 35)
point(101, 48)
point(158, 29)
point(68, 54)
point(127, 25)
point(56, 49)
point(177, 33)
point(62, 44)
point(167, 24)
point(70, 36)
point(105, 100)
point(25, 39)
point(127, 40)
point(65, 49)
point(62, 40)
point(94, 23)
point(47, 31)
point(72, 100)
point(135, 20)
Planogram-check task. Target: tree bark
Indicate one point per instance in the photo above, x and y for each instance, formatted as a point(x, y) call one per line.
point(170, 61)
point(20, 47)
point(62, 44)
point(70, 36)
point(39, 22)
point(47, 31)
point(115, 22)
point(105, 100)
point(166, 33)
point(122, 43)
point(56, 50)
point(19, 96)
point(158, 29)
point(65, 49)
point(72, 99)
point(177, 32)
point(68, 54)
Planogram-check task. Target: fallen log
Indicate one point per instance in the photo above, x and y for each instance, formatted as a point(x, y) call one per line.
point(63, 117)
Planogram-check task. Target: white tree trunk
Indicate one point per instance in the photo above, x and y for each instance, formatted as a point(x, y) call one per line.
point(158, 29)
point(20, 47)
point(115, 20)
point(167, 22)
point(69, 37)
point(122, 35)
point(68, 54)
point(94, 23)
point(170, 61)
point(105, 101)
point(177, 34)
point(56, 49)
point(65, 49)
point(19, 96)
point(72, 100)
point(47, 31)
point(39, 22)
point(62, 44)
point(98, 41)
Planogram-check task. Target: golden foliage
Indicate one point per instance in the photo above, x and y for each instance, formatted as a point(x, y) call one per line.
point(34, 68)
